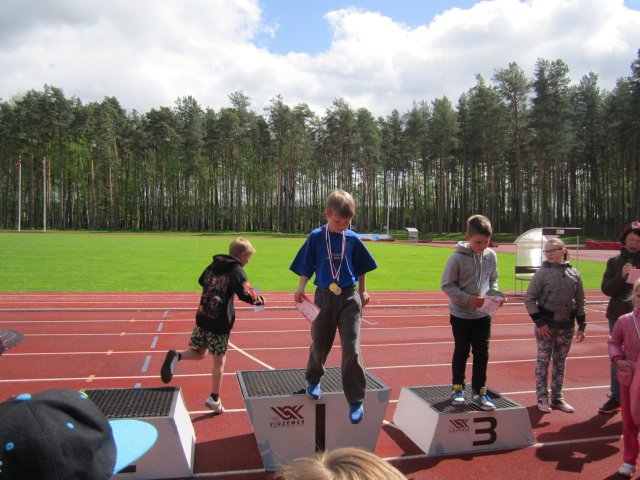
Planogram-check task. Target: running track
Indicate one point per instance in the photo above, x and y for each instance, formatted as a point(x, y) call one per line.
point(113, 340)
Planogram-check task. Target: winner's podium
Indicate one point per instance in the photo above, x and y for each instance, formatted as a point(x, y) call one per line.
point(289, 425)
point(427, 416)
point(163, 407)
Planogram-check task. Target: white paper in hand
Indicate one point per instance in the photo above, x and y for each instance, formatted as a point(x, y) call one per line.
point(633, 275)
point(493, 300)
point(309, 309)
point(257, 308)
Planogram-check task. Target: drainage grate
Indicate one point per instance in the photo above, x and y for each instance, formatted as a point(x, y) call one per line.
point(134, 402)
point(438, 397)
point(271, 383)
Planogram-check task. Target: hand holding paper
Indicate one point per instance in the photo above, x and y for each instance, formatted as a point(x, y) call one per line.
point(633, 275)
point(493, 300)
point(309, 309)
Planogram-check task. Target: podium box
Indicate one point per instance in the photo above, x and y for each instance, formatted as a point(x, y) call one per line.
point(288, 425)
point(429, 418)
point(164, 408)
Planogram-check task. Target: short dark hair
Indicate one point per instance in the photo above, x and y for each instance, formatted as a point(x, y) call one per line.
point(479, 225)
point(633, 227)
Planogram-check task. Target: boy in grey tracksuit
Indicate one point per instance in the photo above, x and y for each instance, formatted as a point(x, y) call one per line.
point(469, 273)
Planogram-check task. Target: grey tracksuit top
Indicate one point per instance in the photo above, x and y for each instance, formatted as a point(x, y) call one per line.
point(467, 274)
point(558, 289)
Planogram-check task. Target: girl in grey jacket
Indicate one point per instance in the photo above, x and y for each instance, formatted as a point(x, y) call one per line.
point(554, 300)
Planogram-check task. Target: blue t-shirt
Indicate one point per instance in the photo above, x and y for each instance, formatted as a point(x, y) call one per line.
point(313, 258)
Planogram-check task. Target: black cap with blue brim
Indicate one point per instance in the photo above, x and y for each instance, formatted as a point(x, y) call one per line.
point(61, 434)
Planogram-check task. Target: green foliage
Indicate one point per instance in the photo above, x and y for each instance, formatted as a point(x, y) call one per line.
point(525, 152)
point(94, 262)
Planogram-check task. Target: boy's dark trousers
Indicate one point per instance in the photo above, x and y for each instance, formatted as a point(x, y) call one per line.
point(470, 335)
point(340, 313)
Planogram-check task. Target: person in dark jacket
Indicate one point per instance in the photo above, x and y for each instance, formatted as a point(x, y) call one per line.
point(221, 281)
point(614, 285)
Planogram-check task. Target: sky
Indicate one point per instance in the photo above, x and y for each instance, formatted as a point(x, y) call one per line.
point(380, 55)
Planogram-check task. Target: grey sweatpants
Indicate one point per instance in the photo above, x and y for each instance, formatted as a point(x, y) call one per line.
point(341, 313)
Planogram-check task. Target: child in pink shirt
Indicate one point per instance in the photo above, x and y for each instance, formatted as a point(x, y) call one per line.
point(624, 346)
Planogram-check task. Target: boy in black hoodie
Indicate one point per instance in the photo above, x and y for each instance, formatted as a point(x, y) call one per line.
point(220, 281)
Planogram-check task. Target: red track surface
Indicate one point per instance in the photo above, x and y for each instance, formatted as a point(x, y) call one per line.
point(119, 341)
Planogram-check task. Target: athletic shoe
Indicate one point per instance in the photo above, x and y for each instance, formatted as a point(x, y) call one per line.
point(562, 406)
point(543, 406)
point(169, 365)
point(610, 406)
point(314, 391)
point(356, 412)
point(211, 404)
point(457, 395)
point(483, 401)
point(627, 470)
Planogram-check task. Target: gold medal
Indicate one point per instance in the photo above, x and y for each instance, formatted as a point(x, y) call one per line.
point(335, 273)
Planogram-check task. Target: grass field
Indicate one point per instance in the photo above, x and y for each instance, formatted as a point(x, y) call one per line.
point(94, 262)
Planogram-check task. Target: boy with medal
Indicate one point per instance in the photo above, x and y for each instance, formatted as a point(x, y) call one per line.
point(339, 260)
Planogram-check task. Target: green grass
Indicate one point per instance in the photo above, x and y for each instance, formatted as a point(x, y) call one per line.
point(94, 262)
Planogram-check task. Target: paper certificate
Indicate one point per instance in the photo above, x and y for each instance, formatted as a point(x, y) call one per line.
point(493, 300)
point(633, 275)
point(309, 309)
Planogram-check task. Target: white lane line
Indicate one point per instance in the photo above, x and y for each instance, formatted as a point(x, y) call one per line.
point(243, 352)
point(145, 366)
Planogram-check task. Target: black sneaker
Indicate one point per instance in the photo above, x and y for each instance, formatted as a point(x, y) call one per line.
point(166, 373)
point(610, 406)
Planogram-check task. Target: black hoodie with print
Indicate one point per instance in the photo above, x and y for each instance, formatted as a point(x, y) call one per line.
point(220, 281)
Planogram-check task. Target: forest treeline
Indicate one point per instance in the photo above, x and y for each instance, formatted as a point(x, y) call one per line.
point(527, 152)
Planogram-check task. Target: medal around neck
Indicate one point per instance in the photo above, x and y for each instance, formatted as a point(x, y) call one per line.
point(335, 272)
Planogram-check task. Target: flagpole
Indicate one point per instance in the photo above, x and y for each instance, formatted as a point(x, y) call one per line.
point(44, 194)
point(19, 165)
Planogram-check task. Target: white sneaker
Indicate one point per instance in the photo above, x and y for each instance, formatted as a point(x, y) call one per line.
point(457, 395)
point(543, 406)
point(562, 406)
point(213, 405)
point(627, 470)
point(483, 401)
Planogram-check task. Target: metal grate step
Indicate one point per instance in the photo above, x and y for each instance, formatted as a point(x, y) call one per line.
point(271, 383)
point(438, 396)
point(134, 402)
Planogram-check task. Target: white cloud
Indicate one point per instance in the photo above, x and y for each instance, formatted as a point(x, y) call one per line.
point(148, 53)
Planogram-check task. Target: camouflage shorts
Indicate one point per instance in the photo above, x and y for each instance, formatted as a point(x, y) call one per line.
point(216, 343)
